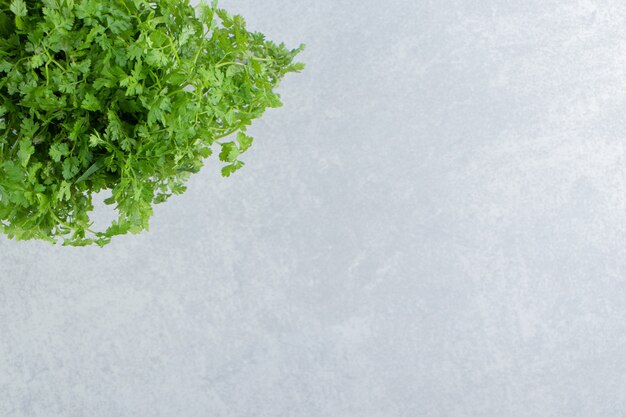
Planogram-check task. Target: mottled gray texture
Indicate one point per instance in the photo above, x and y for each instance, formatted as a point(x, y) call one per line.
point(433, 225)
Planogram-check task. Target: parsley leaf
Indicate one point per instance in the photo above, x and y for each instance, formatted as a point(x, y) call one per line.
point(58, 151)
point(91, 103)
point(18, 7)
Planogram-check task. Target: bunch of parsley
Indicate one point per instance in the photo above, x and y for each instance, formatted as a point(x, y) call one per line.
point(128, 96)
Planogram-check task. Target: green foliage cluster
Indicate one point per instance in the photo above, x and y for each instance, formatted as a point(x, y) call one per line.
point(123, 95)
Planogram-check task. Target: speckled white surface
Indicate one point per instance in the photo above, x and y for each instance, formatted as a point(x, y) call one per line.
point(434, 225)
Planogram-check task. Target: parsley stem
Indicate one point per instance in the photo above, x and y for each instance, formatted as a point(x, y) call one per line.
point(230, 63)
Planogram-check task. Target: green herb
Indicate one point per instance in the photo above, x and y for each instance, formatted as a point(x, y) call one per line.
point(128, 96)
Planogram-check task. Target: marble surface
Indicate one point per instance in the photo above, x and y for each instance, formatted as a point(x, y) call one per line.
point(433, 225)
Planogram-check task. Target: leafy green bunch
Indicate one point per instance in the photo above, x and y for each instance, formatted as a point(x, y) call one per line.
point(128, 96)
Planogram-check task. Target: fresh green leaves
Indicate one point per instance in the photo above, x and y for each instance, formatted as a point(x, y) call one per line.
point(91, 103)
point(26, 149)
point(244, 141)
point(71, 166)
point(232, 168)
point(18, 7)
point(230, 152)
point(58, 151)
point(121, 97)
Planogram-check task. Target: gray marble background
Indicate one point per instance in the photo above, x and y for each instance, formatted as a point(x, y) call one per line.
point(433, 225)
